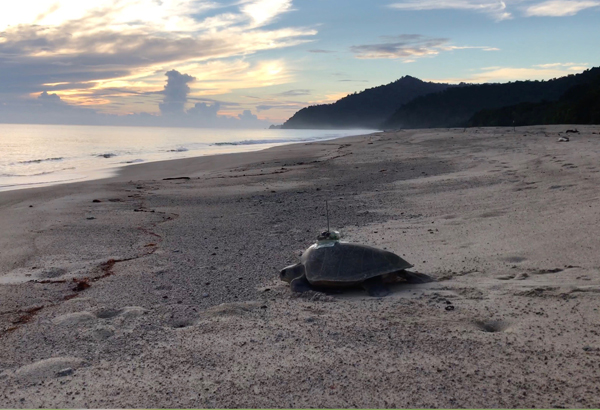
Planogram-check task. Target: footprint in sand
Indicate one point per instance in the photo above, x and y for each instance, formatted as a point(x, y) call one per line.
point(232, 309)
point(561, 186)
point(514, 259)
point(108, 313)
point(103, 332)
point(48, 368)
point(74, 319)
point(491, 325)
point(85, 317)
point(492, 214)
point(522, 276)
point(547, 271)
point(525, 188)
point(52, 273)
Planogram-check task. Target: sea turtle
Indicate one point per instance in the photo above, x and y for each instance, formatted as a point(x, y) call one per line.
point(331, 263)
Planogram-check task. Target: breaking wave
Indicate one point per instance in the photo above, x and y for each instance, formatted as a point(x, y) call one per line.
point(37, 161)
point(28, 175)
point(275, 141)
point(37, 174)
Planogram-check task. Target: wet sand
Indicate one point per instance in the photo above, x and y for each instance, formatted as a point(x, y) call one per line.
point(137, 291)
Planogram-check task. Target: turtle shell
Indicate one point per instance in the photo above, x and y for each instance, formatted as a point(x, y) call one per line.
point(343, 263)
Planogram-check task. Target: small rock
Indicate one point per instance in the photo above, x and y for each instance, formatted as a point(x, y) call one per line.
point(205, 295)
point(89, 218)
point(96, 201)
point(563, 139)
point(449, 308)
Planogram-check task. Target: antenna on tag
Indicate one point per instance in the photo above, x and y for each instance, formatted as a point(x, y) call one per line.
point(327, 212)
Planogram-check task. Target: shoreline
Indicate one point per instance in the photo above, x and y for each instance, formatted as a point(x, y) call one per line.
point(169, 167)
point(141, 292)
point(74, 170)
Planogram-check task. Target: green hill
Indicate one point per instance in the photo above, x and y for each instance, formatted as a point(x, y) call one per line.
point(367, 109)
point(579, 105)
point(455, 107)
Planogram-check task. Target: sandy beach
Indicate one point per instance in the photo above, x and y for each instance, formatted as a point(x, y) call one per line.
point(137, 291)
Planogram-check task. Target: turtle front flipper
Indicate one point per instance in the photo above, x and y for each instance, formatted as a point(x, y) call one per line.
point(415, 277)
point(300, 285)
point(375, 287)
point(289, 273)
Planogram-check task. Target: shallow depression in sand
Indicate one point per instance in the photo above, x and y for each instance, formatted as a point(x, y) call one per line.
point(492, 326)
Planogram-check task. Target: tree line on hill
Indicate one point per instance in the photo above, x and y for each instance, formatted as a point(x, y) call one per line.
point(412, 103)
point(580, 104)
point(367, 109)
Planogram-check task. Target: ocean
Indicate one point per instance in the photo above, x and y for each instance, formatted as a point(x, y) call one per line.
point(41, 155)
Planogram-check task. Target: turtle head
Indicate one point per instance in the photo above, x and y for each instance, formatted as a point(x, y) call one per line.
point(289, 273)
point(329, 236)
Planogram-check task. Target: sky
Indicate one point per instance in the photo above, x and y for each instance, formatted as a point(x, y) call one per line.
point(252, 63)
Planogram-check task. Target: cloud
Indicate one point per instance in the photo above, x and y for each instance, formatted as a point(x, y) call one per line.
point(204, 110)
point(569, 66)
point(46, 108)
point(247, 115)
point(263, 12)
point(559, 8)
point(294, 93)
point(83, 51)
point(499, 10)
point(321, 51)
point(176, 93)
point(280, 106)
point(49, 98)
point(408, 47)
point(504, 74)
point(49, 108)
point(496, 9)
point(484, 48)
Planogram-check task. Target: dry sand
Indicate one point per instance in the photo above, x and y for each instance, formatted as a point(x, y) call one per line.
point(166, 293)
